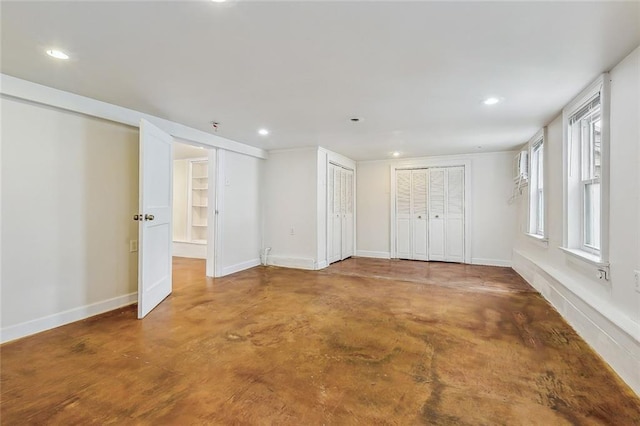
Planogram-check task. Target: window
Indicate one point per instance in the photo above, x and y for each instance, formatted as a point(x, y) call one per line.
point(536, 187)
point(588, 125)
point(586, 172)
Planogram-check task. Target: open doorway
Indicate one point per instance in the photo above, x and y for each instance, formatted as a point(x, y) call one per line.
point(193, 203)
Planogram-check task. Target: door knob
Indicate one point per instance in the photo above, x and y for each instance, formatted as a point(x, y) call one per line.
point(137, 217)
point(149, 217)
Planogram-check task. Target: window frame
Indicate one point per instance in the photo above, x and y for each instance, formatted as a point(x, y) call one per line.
point(574, 182)
point(537, 142)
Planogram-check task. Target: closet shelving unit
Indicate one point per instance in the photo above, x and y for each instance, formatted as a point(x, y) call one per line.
point(198, 201)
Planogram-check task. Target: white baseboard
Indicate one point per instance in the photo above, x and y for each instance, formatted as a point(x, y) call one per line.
point(615, 337)
point(490, 262)
point(192, 250)
point(374, 254)
point(37, 325)
point(322, 264)
point(293, 262)
point(239, 267)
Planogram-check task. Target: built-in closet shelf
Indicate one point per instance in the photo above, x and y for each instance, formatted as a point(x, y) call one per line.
point(198, 201)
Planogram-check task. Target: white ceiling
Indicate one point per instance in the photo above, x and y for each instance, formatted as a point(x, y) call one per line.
point(183, 151)
point(416, 72)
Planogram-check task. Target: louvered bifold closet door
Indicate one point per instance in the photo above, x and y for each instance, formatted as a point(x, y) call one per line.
point(454, 215)
point(335, 215)
point(403, 214)
point(437, 214)
point(347, 217)
point(330, 212)
point(419, 190)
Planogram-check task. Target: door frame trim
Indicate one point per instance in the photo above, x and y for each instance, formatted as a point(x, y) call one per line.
point(428, 163)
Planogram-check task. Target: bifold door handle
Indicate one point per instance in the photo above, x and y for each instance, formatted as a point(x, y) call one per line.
point(419, 217)
point(149, 217)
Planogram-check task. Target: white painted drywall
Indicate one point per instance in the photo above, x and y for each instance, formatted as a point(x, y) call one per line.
point(373, 209)
point(240, 212)
point(69, 189)
point(180, 199)
point(290, 191)
point(492, 218)
point(602, 309)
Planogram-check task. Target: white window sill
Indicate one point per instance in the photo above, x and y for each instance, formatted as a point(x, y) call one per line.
point(586, 257)
point(538, 239)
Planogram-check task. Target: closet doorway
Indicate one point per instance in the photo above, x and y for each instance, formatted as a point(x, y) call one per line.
point(193, 202)
point(429, 216)
point(340, 200)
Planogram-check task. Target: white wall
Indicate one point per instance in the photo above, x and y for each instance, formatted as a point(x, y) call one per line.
point(492, 218)
point(240, 212)
point(69, 191)
point(290, 193)
point(373, 214)
point(180, 200)
point(605, 313)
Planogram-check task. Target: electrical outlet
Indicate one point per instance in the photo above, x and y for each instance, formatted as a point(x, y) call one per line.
point(133, 246)
point(636, 274)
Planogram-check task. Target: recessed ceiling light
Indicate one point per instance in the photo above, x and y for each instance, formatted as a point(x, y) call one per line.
point(396, 154)
point(57, 54)
point(491, 101)
point(263, 132)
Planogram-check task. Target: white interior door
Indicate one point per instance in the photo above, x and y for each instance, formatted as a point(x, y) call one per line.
point(411, 214)
point(347, 215)
point(419, 190)
point(403, 214)
point(436, 214)
point(335, 214)
point(156, 181)
point(454, 244)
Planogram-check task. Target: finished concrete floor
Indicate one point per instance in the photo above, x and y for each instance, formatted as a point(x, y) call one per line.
point(362, 342)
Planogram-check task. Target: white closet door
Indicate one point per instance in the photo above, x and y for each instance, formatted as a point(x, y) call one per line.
point(419, 183)
point(437, 214)
point(454, 244)
point(154, 232)
point(330, 212)
point(403, 214)
point(335, 243)
point(347, 216)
